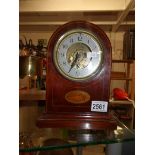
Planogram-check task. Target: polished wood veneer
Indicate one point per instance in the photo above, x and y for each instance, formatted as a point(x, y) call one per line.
point(59, 112)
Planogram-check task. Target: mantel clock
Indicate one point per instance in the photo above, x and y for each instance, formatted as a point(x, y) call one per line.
point(78, 78)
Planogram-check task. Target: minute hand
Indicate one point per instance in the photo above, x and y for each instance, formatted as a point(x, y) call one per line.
point(74, 62)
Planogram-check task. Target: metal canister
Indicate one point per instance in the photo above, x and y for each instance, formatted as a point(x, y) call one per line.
point(30, 66)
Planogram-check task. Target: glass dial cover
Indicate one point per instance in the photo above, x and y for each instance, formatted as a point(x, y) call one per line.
point(78, 55)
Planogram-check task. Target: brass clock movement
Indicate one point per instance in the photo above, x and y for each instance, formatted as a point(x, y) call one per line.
point(78, 78)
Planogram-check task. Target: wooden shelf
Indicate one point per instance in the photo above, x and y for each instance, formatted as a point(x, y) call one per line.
point(119, 76)
point(32, 95)
point(121, 102)
point(122, 61)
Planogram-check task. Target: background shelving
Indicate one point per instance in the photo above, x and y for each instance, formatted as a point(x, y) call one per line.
point(124, 108)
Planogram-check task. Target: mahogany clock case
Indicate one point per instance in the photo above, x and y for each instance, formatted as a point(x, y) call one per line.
point(57, 86)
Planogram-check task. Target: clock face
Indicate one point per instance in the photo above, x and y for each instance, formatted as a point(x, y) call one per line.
point(78, 55)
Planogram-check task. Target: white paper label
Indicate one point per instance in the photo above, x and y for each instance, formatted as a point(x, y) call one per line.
point(99, 106)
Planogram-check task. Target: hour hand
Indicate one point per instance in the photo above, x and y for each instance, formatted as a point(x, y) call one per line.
point(74, 61)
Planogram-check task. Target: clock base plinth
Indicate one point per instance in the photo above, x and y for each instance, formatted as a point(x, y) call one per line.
point(77, 121)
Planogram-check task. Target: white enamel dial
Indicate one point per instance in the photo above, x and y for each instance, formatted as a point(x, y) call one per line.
point(78, 55)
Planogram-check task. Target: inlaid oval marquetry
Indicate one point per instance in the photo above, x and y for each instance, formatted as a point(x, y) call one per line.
point(77, 96)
